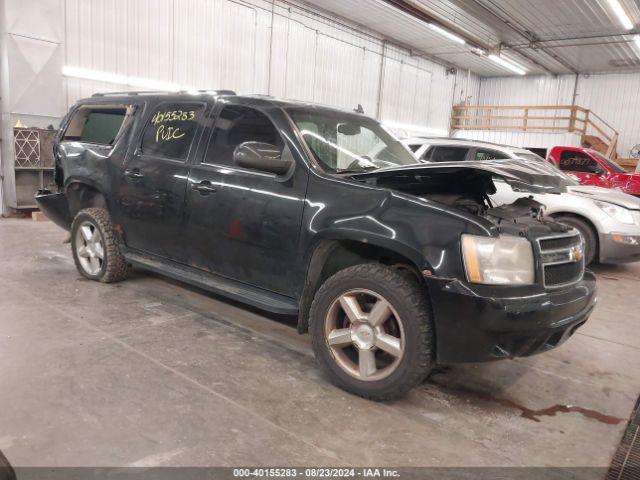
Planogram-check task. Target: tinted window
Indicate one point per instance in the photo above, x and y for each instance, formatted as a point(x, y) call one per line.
point(414, 148)
point(236, 125)
point(102, 127)
point(98, 125)
point(171, 129)
point(490, 155)
point(577, 162)
point(448, 154)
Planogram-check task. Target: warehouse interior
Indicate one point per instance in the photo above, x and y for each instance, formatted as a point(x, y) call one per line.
point(161, 371)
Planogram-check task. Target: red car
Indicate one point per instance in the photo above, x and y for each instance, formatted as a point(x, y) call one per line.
point(593, 168)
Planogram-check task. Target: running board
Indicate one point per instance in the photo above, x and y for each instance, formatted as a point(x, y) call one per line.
point(240, 292)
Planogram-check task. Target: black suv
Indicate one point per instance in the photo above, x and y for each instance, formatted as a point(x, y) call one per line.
point(392, 266)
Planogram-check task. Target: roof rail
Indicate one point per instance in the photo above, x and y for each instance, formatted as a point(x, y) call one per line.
point(163, 92)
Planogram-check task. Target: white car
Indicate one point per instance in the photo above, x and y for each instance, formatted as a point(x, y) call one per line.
point(608, 220)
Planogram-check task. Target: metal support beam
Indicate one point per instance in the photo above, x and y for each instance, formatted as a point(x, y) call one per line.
point(509, 22)
point(421, 14)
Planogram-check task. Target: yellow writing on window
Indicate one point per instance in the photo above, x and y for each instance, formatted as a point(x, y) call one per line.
point(173, 116)
point(168, 133)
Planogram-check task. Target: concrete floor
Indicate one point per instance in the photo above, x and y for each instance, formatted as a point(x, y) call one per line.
point(151, 372)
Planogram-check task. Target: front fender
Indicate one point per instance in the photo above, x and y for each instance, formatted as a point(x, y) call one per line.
point(364, 231)
point(423, 231)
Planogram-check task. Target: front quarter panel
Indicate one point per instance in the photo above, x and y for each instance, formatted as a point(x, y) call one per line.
point(425, 232)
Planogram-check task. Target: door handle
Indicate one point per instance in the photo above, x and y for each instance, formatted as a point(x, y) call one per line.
point(204, 188)
point(135, 173)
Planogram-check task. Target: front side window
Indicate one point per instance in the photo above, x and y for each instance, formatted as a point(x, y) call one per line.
point(610, 163)
point(448, 154)
point(571, 161)
point(490, 155)
point(170, 130)
point(344, 142)
point(97, 125)
point(235, 125)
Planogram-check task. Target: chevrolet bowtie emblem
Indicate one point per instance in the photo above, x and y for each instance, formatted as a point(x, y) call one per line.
point(575, 253)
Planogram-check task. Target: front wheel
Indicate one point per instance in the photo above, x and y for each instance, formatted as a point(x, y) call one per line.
point(95, 247)
point(372, 331)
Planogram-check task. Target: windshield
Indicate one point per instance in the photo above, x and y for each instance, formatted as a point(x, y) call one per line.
point(343, 142)
point(610, 163)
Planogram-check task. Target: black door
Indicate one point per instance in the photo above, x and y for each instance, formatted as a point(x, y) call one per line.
point(244, 224)
point(155, 179)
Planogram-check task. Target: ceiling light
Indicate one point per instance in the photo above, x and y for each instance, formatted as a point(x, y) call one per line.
point(98, 76)
point(446, 33)
point(508, 64)
point(617, 8)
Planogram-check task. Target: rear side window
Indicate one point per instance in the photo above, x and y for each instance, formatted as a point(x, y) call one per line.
point(235, 125)
point(170, 130)
point(96, 124)
point(490, 155)
point(447, 154)
point(571, 161)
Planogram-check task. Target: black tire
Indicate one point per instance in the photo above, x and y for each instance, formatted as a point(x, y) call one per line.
point(410, 302)
point(588, 234)
point(114, 267)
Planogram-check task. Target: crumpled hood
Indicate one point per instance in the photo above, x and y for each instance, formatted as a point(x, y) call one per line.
point(609, 195)
point(521, 175)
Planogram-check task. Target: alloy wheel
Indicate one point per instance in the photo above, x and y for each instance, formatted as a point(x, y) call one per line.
point(89, 248)
point(365, 335)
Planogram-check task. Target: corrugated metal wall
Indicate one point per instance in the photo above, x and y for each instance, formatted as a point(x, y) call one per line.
point(257, 46)
point(535, 90)
point(614, 97)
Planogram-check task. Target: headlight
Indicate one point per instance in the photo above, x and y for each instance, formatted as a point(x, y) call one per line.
point(498, 261)
point(620, 214)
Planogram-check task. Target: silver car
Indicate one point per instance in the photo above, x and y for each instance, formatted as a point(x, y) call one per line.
point(608, 220)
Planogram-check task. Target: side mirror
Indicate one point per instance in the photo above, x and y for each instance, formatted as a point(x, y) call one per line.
point(261, 156)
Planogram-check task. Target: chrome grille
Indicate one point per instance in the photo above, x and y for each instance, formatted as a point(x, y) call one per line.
point(561, 259)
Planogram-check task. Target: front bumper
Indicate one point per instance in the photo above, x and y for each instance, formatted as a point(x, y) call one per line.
point(56, 207)
point(619, 247)
point(477, 323)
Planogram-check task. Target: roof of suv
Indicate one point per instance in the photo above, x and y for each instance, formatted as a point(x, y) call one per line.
point(463, 142)
point(160, 96)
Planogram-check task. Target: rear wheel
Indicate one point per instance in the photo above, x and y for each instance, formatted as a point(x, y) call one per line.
point(95, 247)
point(372, 332)
point(588, 234)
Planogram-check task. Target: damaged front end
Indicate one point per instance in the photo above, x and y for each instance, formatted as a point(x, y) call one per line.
point(519, 288)
point(467, 186)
